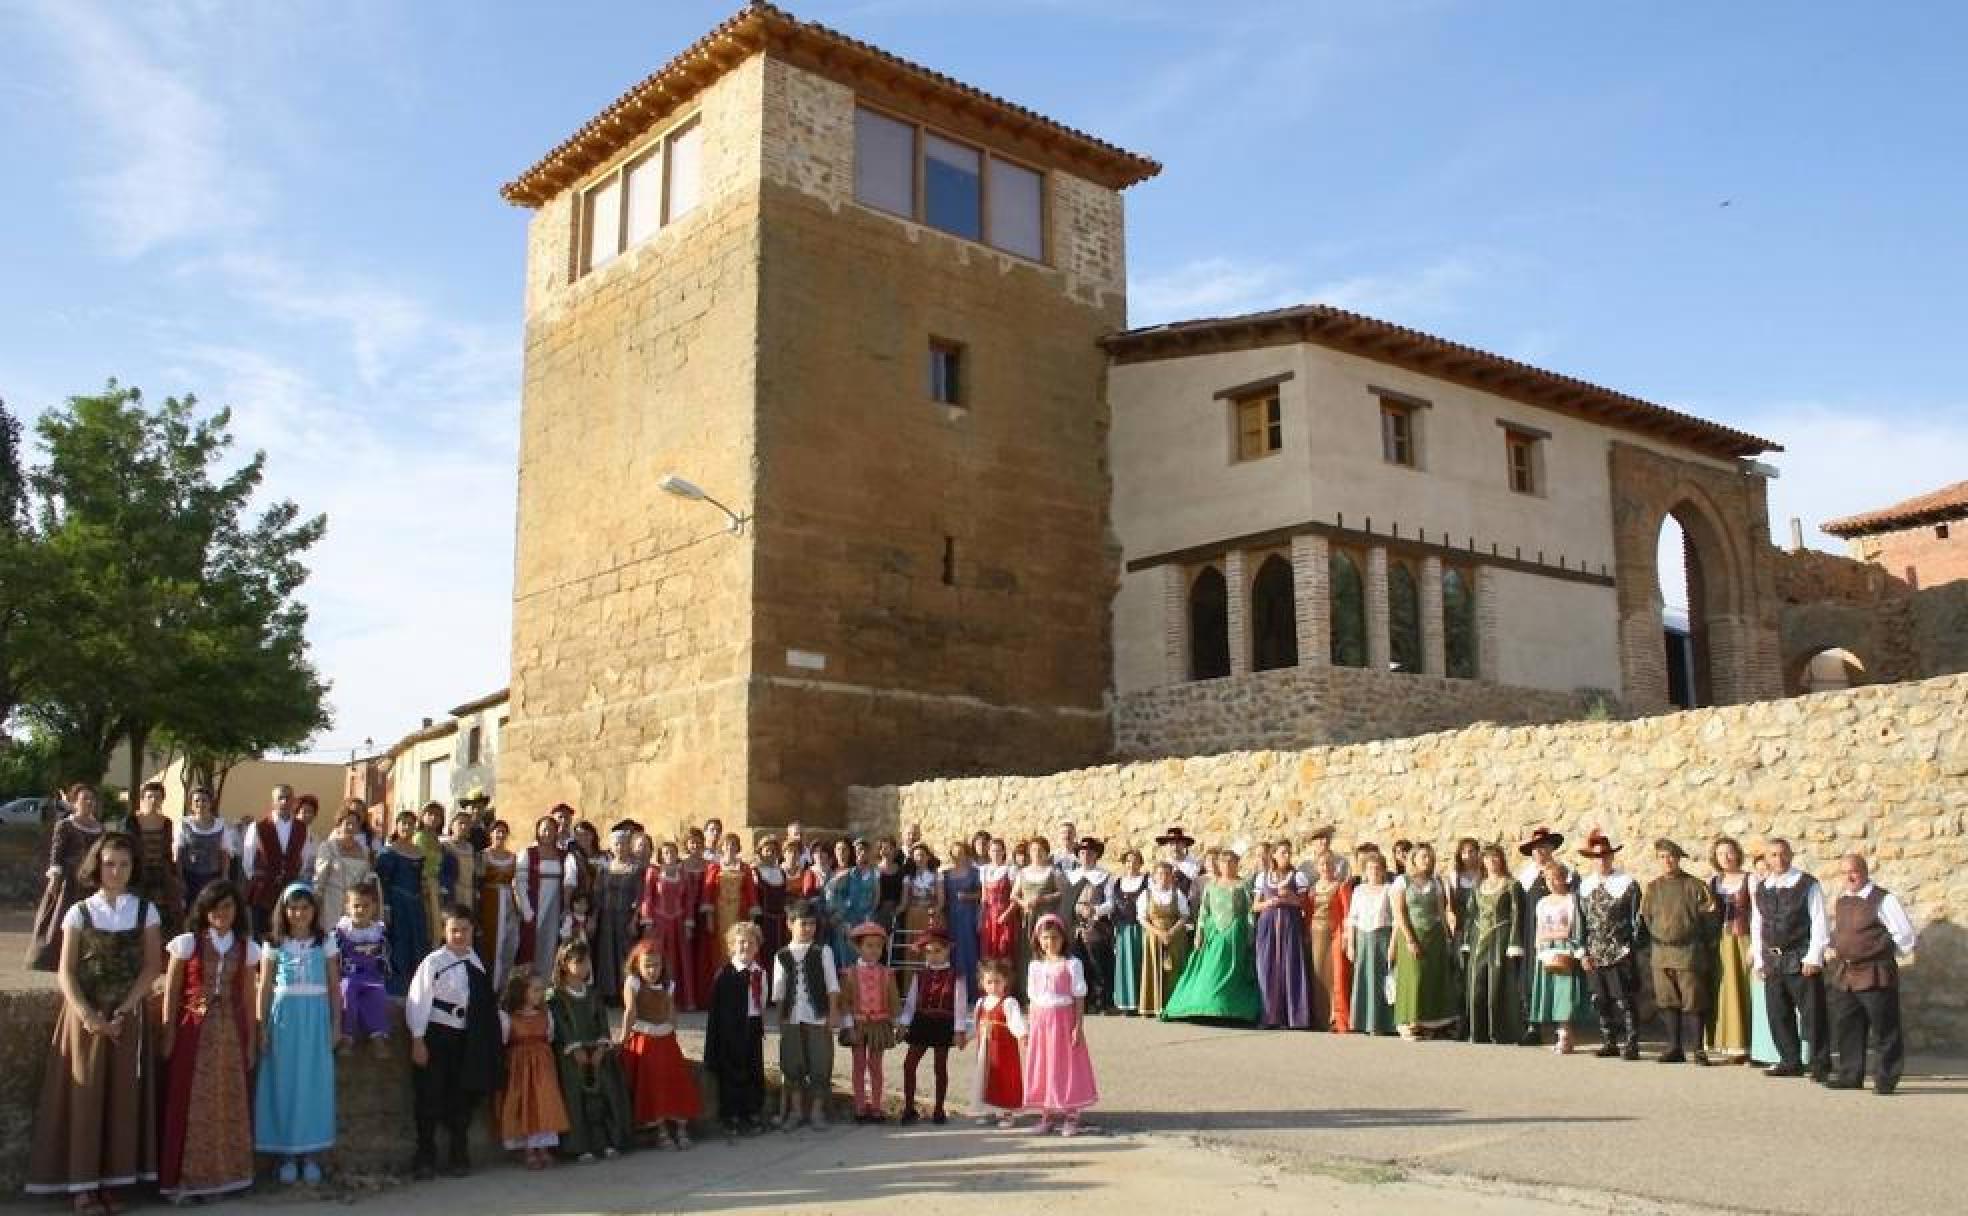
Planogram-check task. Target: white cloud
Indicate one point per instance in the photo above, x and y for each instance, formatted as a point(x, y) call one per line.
point(1208, 287)
point(1843, 459)
point(1405, 297)
point(166, 174)
point(1215, 287)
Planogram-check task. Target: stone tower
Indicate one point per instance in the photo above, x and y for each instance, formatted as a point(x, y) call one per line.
point(857, 302)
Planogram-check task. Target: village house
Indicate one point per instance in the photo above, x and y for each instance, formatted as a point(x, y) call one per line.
point(1922, 541)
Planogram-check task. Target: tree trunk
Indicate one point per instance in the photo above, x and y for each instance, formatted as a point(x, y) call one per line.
point(139, 736)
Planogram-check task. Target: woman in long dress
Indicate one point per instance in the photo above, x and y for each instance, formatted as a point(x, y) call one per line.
point(922, 904)
point(1038, 891)
point(1729, 1030)
point(963, 900)
point(498, 911)
point(463, 868)
point(206, 1130)
point(1325, 923)
point(158, 879)
point(1127, 932)
point(1465, 871)
point(1369, 937)
point(400, 873)
point(203, 846)
point(1557, 983)
point(73, 837)
point(1424, 974)
point(669, 916)
point(1278, 898)
point(618, 910)
point(537, 888)
point(341, 865)
point(775, 887)
point(1220, 982)
point(1162, 910)
point(95, 1129)
point(999, 927)
point(1491, 999)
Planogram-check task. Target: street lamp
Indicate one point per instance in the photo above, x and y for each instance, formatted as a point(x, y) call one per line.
point(683, 487)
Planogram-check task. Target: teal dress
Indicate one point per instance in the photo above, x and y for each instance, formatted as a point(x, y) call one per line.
point(1220, 981)
point(1558, 997)
point(294, 1094)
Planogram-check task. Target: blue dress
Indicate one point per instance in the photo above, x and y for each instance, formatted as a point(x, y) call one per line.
point(851, 897)
point(964, 899)
point(402, 880)
point(294, 1097)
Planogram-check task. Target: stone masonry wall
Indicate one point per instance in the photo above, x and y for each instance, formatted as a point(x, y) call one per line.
point(1920, 555)
point(1303, 706)
point(1881, 769)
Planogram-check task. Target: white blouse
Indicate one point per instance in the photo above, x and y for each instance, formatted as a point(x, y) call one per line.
point(120, 917)
point(1036, 988)
point(1369, 908)
point(184, 945)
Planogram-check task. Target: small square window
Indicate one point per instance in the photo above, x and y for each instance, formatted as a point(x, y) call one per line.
point(1397, 434)
point(1940, 531)
point(946, 373)
point(1521, 453)
point(1260, 427)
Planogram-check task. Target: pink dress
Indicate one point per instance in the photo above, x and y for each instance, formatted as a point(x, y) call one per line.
point(1058, 1071)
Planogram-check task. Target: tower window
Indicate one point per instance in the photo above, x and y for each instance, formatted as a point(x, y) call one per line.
point(648, 193)
point(1260, 426)
point(1523, 452)
point(955, 187)
point(946, 386)
point(1397, 434)
point(949, 561)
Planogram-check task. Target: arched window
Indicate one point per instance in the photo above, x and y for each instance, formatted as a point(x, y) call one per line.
point(1459, 623)
point(1347, 596)
point(1209, 626)
point(1274, 617)
point(1403, 619)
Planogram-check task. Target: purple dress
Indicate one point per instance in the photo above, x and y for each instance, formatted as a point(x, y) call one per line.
point(1281, 978)
point(365, 1000)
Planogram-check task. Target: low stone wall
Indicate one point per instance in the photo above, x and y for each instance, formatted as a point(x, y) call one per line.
point(1303, 706)
point(1881, 769)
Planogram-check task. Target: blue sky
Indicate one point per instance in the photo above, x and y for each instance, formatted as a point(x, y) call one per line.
point(292, 208)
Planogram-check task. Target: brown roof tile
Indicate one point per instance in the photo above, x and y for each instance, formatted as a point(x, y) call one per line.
point(763, 27)
point(1399, 346)
point(1948, 502)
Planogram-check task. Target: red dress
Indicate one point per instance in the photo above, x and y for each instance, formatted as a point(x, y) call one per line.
point(999, 940)
point(653, 1063)
point(1000, 1076)
point(669, 905)
point(206, 1129)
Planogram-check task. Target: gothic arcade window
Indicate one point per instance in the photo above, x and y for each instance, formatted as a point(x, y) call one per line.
point(920, 174)
point(1459, 623)
point(1348, 609)
point(1274, 617)
point(1403, 619)
point(1209, 626)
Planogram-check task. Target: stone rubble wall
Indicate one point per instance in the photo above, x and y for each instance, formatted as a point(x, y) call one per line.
point(1882, 770)
point(1302, 706)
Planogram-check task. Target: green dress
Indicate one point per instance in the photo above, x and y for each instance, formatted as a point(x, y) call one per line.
point(597, 1097)
point(1424, 981)
point(1220, 981)
point(1491, 1000)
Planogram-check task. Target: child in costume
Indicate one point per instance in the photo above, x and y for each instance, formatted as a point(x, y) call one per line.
point(806, 990)
point(1000, 1025)
point(579, 923)
point(362, 944)
point(531, 1114)
point(453, 1018)
point(208, 1043)
point(665, 1095)
point(868, 990)
point(1059, 1081)
point(591, 1085)
point(936, 1016)
point(734, 1032)
point(294, 1098)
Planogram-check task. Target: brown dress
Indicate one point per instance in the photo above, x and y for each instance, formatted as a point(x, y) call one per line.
point(96, 1124)
point(532, 1113)
point(156, 877)
point(66, 849)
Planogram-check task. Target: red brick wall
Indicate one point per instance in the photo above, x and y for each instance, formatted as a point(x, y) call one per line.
point(1921, 556)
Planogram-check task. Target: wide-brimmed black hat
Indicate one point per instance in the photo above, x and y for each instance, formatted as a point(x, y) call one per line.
point(1175, 835)
point(1084, 843)
point(1543, 838)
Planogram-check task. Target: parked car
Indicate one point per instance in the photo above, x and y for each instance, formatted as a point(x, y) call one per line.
point(28, 812)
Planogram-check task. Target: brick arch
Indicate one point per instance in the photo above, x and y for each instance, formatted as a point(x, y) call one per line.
point(1723, 514)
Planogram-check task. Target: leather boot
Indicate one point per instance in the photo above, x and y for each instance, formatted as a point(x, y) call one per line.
point(1691, 1030)
point(1630, 1019)
point(1671, 1019)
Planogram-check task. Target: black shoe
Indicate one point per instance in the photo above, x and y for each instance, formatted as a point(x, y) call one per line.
point(1531, 1038)
point(1700, 1057)
point(1885, 1088)
point(1842, 1083)
point(423, 1167)
point(939, 1116)
point(1670, 1057)
point(1606, 1051)
point(1821, 1073)
point(1630, 1052)
point(1783, 1070)
point(459, 1167)
point(909, 1115)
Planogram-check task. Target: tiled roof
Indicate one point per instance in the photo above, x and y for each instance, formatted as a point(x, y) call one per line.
point(1948, 502)
point(1399, 346)
point(763, 27)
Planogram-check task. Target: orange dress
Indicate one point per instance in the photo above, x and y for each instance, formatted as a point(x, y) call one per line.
point(659, 1080)
point(532, 1113)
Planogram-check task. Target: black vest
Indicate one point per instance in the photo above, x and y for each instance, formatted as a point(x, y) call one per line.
point(813, 972)
point(1786, 913)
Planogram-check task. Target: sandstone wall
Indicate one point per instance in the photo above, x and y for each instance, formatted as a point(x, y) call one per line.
point(1303, 706)
point(1881, 769)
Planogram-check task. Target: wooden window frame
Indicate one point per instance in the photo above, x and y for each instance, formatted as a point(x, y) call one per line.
point(618, 173)
point(1398, 434)
point(1271, 426)
point(959, 399)
point(1529, 441)
point(919, 203)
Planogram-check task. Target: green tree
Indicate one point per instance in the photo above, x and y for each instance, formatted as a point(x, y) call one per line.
point(18, 580)
point(166, 587)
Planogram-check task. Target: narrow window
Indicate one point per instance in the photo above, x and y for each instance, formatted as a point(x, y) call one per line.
point(1521, 453)
point(885, 163)
point(946, 373)
point(1274, 616)
point(474, 742)
point(1397, 434)
point(1260, 428)
point(1346, 593)
point(1940, 531)
point(953, 187)
point(1017, 209)
point(949, 561)
point(645, 207)
point(686, 149)
point(601, 220)
point(1209, 626)
point(1403, 619)
point(1459, 624)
